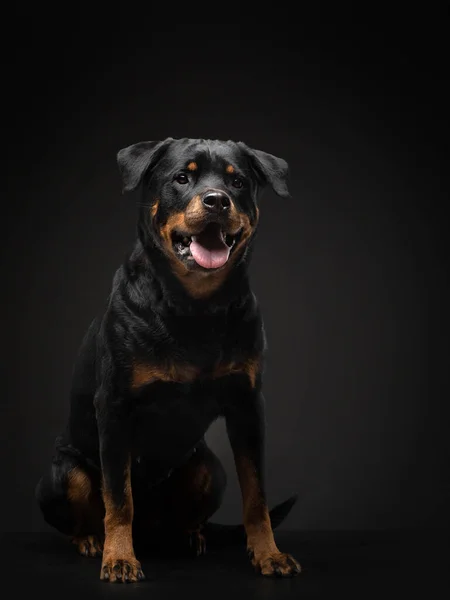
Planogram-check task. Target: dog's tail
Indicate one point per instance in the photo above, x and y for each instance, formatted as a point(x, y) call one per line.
point(235, 534)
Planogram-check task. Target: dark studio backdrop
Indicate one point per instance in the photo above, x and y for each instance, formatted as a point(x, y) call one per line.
point(351, 272)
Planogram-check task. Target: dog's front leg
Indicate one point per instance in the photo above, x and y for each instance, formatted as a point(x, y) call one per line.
point(245, 427)
point(113, 419)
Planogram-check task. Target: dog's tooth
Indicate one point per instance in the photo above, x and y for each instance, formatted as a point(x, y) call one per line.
point(231, 242)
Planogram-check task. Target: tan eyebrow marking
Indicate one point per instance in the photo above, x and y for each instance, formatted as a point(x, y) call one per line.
point(230, 169)
point(192, 166)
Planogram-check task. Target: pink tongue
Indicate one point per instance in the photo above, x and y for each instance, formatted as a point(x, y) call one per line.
point(213, 254)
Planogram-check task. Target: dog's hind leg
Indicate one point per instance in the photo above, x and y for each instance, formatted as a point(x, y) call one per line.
point(70, 500)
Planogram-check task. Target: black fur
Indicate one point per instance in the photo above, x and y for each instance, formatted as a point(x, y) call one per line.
point(152, 318)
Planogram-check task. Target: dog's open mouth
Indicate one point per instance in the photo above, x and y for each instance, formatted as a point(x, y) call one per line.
point(209, 249)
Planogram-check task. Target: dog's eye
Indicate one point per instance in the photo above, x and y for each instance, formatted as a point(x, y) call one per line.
point(182, 178)
point(237, 183)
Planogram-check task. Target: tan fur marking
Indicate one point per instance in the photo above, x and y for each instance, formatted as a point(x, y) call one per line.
point(247, 230)
point(86, 503)
point(203, 284)
point(230, 169)
point(192, 166)
point(118, 545)
point(264, 553)
point(175, 221)
point(194, 215)
point(154, 209)
point(118, 520)
point(200, 285)
point(256, 514)
point(79, 487)
point(146, 373)
point(249, 367)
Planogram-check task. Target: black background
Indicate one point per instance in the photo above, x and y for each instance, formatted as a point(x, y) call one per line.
point(351, 272)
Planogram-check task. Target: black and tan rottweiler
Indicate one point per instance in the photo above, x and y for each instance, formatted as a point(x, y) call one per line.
point(181, 342)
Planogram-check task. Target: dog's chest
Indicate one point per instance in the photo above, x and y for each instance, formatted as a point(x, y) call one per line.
point(170, 418)
point(178, 390)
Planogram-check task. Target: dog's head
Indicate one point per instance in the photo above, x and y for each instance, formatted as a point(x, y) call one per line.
point(200, 198)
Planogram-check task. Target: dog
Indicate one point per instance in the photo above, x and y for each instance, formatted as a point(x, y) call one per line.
point(180, 343)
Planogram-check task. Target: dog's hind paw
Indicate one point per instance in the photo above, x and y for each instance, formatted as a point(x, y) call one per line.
point(197, 543)
point(89, 545)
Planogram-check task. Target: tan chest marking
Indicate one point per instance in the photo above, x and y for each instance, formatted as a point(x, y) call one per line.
point(144, 373)
point(249, 367)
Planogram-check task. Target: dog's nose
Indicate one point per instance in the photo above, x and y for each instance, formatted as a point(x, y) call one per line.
point(216, 200)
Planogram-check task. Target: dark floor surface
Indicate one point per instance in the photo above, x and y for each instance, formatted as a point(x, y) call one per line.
point(357, 565)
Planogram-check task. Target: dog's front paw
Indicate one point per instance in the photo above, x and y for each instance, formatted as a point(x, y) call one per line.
point(275, 564)
point(120, 570)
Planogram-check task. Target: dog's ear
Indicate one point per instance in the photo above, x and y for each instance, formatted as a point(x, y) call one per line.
point(135, 160)
point(269, 169)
